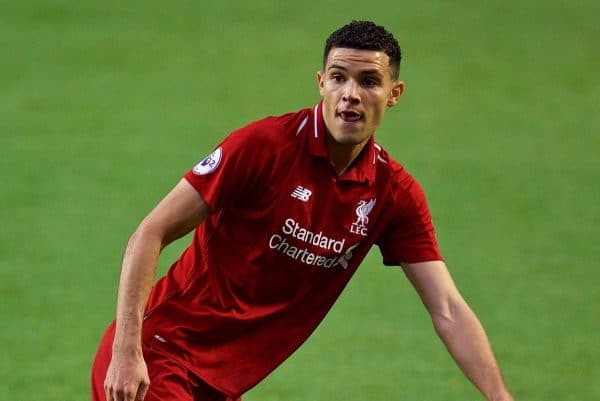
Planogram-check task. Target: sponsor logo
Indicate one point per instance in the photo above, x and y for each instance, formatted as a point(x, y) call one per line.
point(301, 193)
point(362, 217)
point(287, 241)
point(209, 163)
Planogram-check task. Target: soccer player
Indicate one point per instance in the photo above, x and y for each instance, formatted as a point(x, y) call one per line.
point(284, 210)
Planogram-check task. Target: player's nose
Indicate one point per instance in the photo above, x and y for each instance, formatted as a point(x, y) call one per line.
point(351, 92)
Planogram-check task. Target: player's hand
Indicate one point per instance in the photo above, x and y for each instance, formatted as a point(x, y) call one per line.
point(126, 378)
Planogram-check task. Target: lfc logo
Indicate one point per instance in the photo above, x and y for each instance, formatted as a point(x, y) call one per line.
point(362, 217)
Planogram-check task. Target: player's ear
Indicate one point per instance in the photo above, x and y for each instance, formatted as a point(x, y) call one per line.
point(395, 93)
point(320, 82)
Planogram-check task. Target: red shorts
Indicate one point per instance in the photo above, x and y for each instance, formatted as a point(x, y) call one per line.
point(169, 381)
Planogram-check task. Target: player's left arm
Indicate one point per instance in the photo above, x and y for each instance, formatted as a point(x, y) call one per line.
point(458, 327)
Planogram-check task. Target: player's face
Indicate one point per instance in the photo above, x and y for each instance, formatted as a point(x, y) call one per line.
point(356, 88)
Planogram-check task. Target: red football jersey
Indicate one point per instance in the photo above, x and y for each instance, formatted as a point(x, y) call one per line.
point(284, 237)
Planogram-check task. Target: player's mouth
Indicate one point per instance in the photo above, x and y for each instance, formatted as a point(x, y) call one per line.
point(350, 116)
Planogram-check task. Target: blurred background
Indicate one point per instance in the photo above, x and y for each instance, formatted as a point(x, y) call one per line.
point(104, 105)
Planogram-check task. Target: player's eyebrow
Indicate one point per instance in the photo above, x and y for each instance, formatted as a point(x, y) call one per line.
point(371, 72)
point(338, 67)
point(362, 72)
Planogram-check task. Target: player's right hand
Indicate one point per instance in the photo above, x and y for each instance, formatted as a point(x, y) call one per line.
point(126, 378)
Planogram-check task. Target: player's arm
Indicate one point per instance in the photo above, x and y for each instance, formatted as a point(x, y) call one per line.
point(458, 327)
point(177, 214)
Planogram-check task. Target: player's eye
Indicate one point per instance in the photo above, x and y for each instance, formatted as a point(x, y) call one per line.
point(370, 82)
point(337, 78)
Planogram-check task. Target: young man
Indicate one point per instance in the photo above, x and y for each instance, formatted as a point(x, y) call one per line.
point(284, 211)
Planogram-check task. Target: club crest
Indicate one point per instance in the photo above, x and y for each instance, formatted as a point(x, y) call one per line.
point(363, 208)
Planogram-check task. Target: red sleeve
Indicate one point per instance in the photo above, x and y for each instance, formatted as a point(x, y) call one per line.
point(410, 235)
point(224, 176)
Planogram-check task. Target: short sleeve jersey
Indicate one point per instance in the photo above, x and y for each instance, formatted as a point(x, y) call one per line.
point(284, 237)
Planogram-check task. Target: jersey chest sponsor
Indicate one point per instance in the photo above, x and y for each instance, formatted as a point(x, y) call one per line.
point(330, 245)
point(309, 247)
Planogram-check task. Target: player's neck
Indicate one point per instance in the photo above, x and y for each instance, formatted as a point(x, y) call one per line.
point(343, 155)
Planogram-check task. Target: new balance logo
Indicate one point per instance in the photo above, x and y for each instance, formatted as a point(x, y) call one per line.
point(301, 193)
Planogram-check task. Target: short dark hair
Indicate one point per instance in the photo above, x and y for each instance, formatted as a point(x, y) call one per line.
point(365, 35)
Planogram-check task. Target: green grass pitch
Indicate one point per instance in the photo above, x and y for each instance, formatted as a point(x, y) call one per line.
point(105, 104)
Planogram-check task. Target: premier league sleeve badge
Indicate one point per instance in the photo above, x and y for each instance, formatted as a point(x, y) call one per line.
point(209, 163)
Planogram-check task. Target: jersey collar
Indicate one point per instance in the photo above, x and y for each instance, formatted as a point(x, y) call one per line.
point(362, 169)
